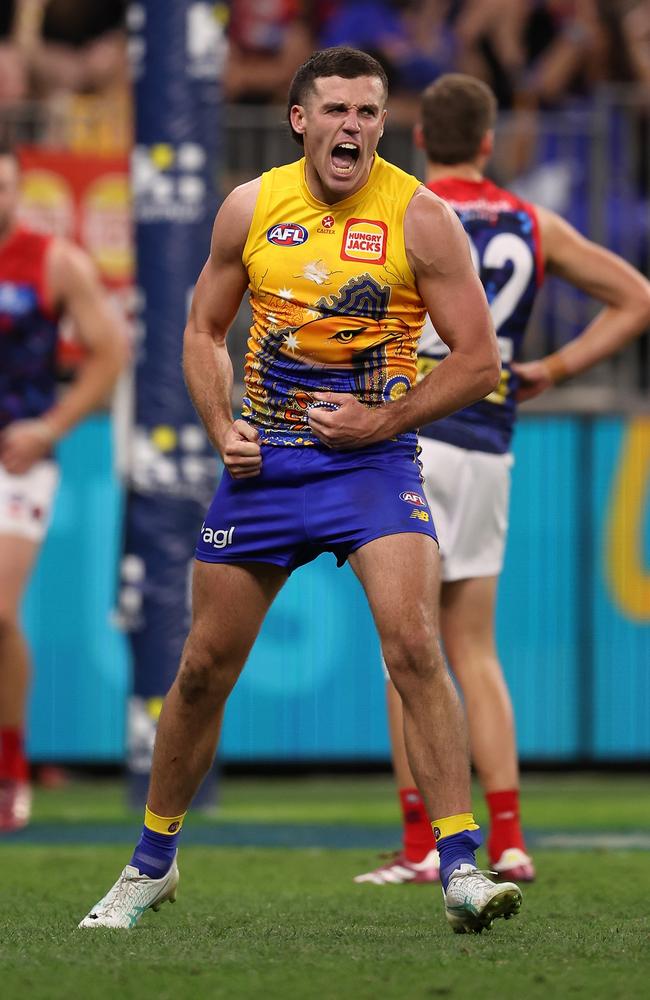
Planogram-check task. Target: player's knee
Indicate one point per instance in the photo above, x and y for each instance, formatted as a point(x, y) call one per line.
point(412, 658)
point(203, 678)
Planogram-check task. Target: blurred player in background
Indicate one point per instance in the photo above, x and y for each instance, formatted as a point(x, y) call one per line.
point(41, 278)
point(343, 254)
point(466, 456)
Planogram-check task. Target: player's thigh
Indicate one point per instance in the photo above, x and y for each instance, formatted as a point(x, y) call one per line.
point(467, 619)
point(468, 493)
point(400, 574)
point(229, 603)
point(17, 557)
point(25, 506)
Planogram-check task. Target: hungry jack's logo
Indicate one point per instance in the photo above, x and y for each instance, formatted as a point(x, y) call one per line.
point(365, 240)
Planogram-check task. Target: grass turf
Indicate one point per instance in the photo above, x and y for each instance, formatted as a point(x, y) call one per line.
point(549, 802)
point(278, 923)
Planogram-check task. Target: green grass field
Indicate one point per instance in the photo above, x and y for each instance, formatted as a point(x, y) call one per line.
point(287, 921)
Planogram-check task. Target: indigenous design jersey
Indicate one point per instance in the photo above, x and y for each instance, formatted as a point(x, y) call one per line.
point(334, 302)
point(28, 329)
point(505, 245)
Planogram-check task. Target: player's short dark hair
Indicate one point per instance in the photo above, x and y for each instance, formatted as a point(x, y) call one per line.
point(340, 60)
point(456, 112)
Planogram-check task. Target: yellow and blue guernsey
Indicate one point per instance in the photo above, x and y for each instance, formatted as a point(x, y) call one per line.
point(334, 302)
point(335, 308)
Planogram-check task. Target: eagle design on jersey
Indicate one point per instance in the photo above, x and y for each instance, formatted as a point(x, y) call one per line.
point(345, 342)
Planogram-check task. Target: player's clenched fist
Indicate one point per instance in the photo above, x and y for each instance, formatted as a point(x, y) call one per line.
point(242, 455)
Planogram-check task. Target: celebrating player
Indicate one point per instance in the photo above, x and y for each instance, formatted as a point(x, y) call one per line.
point(342, 254)
point(466, 456)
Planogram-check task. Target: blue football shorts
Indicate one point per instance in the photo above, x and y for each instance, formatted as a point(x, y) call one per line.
point(309, 500)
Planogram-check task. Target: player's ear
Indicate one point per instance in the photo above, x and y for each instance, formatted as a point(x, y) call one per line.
point(487, 144)
point(297, 118)
point(418, 136)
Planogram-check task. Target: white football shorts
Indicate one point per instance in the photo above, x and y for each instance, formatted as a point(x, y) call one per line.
point(469, 493)
point(26, 500)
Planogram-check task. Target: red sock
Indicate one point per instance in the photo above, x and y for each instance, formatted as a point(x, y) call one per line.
point(505, 828)
point(418, 836)
point(13, 763)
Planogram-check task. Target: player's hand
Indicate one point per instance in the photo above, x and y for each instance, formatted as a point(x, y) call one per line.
point(341, 421)
point(534, 378)
point(25, 442)
point(242, 455)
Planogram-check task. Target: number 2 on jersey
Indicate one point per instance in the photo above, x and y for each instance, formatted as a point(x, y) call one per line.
point(502, 249)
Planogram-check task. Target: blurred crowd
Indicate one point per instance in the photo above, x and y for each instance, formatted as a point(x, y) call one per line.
point(66, 57)
point(534, 53)
point(60, 46)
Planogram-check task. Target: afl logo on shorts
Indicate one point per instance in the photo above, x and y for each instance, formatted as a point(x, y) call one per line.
point(287, 234)
point(414, 498)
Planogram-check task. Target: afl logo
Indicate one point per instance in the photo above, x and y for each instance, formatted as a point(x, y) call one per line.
point(415, 498)
point(287, 234)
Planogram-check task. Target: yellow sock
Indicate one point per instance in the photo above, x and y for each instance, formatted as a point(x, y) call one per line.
point(163, 824)
point(449, 825)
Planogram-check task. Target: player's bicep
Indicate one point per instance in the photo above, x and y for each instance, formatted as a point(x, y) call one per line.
point(223, 280)
point(78, 291)
point(451, 289)
point(459, 310)
point(217, 296)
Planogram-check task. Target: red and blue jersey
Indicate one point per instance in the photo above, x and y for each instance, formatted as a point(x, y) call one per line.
point(28, 328)
point(505, 245)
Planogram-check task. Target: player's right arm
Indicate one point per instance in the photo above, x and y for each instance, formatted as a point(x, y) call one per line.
point(206, 362)
point(606, 277)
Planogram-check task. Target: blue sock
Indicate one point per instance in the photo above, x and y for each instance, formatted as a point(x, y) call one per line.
point(154, 852)
point(456, 850)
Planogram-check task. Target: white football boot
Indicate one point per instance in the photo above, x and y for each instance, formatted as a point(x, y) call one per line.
point(473, 901)
point(132, 894)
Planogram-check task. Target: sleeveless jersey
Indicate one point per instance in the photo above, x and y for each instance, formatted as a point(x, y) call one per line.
point(28, 329)
point(334, 302)
point(505, 246)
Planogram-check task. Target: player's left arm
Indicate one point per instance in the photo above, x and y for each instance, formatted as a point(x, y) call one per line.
point(604, 276)
point(75, 290)
point(452, 294)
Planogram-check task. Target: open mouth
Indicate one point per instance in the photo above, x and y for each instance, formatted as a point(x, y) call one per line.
point(344, 157)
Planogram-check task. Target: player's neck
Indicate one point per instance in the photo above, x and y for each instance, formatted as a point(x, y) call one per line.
point(463, 171)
